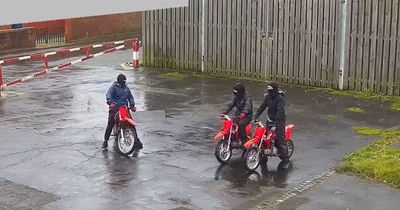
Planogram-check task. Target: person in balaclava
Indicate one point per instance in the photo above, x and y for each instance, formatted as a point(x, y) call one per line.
point(244, 109)
point(117, 95)
point(275, 102)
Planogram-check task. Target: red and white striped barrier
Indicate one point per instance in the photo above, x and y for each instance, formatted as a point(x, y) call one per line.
point(62, 66)
point(65, 51)
point(44, 56)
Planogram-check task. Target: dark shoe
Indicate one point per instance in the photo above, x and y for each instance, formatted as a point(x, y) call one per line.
point(139, 144)
point(105, 144)
point(284, 165)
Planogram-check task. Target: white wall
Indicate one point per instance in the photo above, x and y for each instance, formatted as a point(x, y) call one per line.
point(23, 11)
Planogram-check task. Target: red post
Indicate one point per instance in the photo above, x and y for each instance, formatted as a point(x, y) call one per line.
point(1, 80)
point(135, 47)
point(87, 52)
point(46, 62)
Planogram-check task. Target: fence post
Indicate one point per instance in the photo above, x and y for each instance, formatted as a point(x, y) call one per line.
point(343, 42)
point(1, 80)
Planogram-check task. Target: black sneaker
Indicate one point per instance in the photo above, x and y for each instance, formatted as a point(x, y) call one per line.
point(284, 165)
point(105, 144)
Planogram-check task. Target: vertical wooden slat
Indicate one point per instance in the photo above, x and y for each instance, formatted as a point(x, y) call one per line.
point(215, 36)
point(325, 49)
point(206, 35)
point(234, 38)
point(296, 42)
point(285, 44)
point(223, 36)
point(314, 36)
point(220, 45)
point(397, 70)
point(259, 22)
point(253, 51)
point(393, 37)
point(165, 37)
point(153, 39)
point(360, 45)
point(353, 45)
point(291, 36)
point(174, 39)
point(302, 47)
point(380, 45)
point(386, 47)
point(229, 34)
point(308, 43)
point(274, 44)
point(247, 39)
point(319, 50)
point(367, 40)
point(280, 28)
point(189, 36)
point(374, 34)
point(161, 41)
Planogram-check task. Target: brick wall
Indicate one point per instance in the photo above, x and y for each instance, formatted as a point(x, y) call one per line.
point(17, 39)
point(103, 26)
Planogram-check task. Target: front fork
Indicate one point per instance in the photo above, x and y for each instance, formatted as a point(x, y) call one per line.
point(230, 138)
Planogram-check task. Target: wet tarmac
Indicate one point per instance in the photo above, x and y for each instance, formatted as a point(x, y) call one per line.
point(51, 139)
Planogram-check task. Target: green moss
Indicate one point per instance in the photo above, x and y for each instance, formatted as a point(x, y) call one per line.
point(368, 131)
point(173, 74)
point(332, 117)
point(365, 95)
point(379, 161)
point(355, 110)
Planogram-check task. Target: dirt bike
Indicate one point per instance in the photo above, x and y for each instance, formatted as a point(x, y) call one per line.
point(262, 145)
point(228, 139)
point(126, 136)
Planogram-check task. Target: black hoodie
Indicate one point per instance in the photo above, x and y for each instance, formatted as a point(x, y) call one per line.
point(275, 102)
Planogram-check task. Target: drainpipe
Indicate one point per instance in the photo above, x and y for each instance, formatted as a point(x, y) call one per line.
point(203, 29)
point(342, 42)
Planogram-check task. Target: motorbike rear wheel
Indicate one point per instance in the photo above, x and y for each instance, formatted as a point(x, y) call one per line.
point(126, 140)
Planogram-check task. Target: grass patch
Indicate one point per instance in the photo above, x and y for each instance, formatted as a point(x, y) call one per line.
point(173, 74)
point(332, 117)
point(379, 161)
point(355, 110)
point(366, 95)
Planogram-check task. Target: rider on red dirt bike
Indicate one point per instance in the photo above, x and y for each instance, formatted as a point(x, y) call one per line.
point(118, 95)
point(244, 110)
point(275, 102)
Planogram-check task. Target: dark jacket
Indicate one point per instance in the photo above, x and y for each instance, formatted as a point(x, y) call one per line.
point(243, 104)
point(276, 107)
point(120, 95)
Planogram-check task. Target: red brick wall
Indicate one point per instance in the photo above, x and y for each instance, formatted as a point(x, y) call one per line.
point(4, 27)
point(103, 26)
point(17, 39)
point(45, 24)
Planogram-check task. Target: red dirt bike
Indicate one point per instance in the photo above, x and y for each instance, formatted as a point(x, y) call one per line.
point(126, 136)
point(262, 145)
point(228, 139)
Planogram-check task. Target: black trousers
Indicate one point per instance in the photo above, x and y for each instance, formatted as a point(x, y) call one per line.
point(111, 123)
point(242, 128)
point(280, 142)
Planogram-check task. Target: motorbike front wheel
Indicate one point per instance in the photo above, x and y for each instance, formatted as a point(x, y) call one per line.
point(222, 152)
point(126, 140)
point(252, 159)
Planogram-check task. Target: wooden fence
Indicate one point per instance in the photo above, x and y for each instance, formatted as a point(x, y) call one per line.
point(290, 41)
point(50, 35)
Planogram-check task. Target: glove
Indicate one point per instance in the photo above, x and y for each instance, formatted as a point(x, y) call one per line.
point(133, 109)
point(242, 116)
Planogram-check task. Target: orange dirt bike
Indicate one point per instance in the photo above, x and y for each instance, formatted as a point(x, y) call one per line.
point(262, 145)
point(228, 139)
